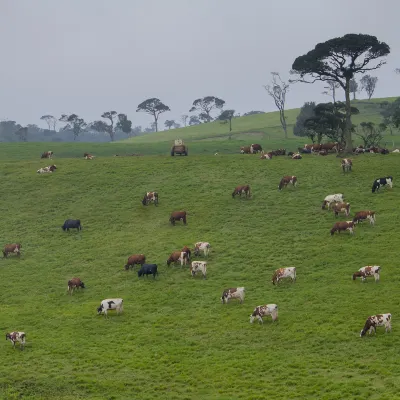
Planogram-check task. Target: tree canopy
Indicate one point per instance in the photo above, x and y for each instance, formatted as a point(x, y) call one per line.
point(124, 124)
point(227, 115)
point(368, 83)
point(73, 123)
point(205, 105)
point(154, 107)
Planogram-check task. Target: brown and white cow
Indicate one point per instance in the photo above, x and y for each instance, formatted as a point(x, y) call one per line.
point(377, 320)
point(263, 311)
point(15, 337)
point(12, 248)
point(135, 259)
point(332, 198)
point(150, 197)
point(266, 156)
point(202, 246)
point(75, 283)
point(343, 226)
point(368, 271)
point(346, 164)
point(178, 216)
point(178, 256)
point(47, 154)
point(242, 190)
point(46, 170)
point(233, 293)
point(199, 266)
point(187, 251)
point(281, 273)
point(88, 156)
point(363, 215)
point(255, 148)
point(341, 207)
point(296, 156)
point(245, 149)
point(286, 180)
point(308, 146)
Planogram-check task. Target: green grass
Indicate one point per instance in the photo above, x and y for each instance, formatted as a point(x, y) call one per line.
point(175, 340)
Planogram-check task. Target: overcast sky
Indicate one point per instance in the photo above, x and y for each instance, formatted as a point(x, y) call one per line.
point(90, 56)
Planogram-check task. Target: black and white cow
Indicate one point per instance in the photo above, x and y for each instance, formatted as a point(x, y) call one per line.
point(72, 224)
point(377, 320)
point(110, 304)
point(16, 337)
point(388, 180)
point(148, 269)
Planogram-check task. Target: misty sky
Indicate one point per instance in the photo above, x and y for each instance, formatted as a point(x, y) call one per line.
point(90, 56)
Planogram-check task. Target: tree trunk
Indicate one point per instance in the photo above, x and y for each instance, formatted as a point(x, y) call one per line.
point(354, 95)
point(334, 94)
point(347, 130)
point(283, 121)
point(230, 125)
point(156, 123)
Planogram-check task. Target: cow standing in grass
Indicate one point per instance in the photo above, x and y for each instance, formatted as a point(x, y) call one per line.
point(388, 180)
point(286, 180)
point(239, 190)
point(15, 337)
point(202, 246)
point(199, 266)
point(346, 164)
point(110, 304)
point(368, 271)
point(377, 320)
point(365, 215)
point(75, 283)
point(341, 207)
point(343, 226)
point(282, 273)
point(150, 197)
point(178, 216)
point(135, 259)
point(12, 248)
point(330, 199)
point(263, 311)
point(178, 256)
point(233, 293)
point(47, 154)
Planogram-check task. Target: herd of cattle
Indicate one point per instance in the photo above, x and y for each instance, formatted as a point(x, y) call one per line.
point(335, 202)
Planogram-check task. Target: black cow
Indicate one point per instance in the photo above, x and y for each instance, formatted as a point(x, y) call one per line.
point(148, 269)
point(72, 224)
point(388, 180)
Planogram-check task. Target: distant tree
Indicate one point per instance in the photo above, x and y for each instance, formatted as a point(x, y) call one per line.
point(194, 120)
point(7, 130)
point(253, 113)
point(353, 87)
point(277, 89)
point(103, 127)
point(391, 114)
point(73, 123)
point(153, 107)
point(397, 70)
point(151, 128)
point(176, 125)
point(169, 123)
point(33, 129)
point(205, 105)
point(331, 89)
point(50, 120)
point(227, 116)
point(124, 124)
point(340, 59)
point(370, 134)
point(22, 133)
point(136, 130)
point(184, 119)
point(368, 83)
point(306, 112)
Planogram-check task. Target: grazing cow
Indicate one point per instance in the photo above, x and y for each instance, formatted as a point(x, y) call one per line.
point(135, 259)
point(17, 337)
point(110, 304)
point(332, 198)
point(388, 180)
point(286, 180)
point(343, 226)
point(370, 270)
point(187, 251)
point(341, 207)
point(148, 269)
point(245, 149)
point(233, 293)
point(242, 190)
point(202, 246)
point(88, 156)
point(363, 215)
point(199, 266)
point(281, 273)
point(347, 164)
point(255, 148)
point(72, 224)
point(150, 197)
point(296, 156)
point(13, 248)
point(47, 154)
point(377, 320)
point(266, 156)
point(178, 256)
point(46, 170)
point(75, 283)
point(263, 311)
point(178, 216)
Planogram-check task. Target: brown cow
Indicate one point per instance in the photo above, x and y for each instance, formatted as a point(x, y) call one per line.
point(47, 154)
point(75, 283)
point(255, 148)
point(242, 190)
point(150, 197)
point(178, 216)
point(363, 215)
point(343, 226)
point(286, 180)
point(88, 156)
point(135, 259)
point(346, 164)
point(334, 146)
point(245, 149)
point(187, 251)
point(178, 256)
point(341, 207)
point(14, 248)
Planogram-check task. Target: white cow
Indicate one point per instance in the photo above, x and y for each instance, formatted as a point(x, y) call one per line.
point(265, 310)
point(281, 273)
point(202, 246)
point(233, 293)
point(199, 266)
point(377, 320)
point(332, 198)
point(17, 337)
point(111, 304)
point(370, 270)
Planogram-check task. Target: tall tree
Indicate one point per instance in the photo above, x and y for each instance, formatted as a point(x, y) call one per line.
point(331, 89)
point(340, 59)
point(368, 83)
point(277, 89)
point(370, 134)
point(50, 120)
point(153, 107)
point(124, 124)
point(22, 133)
point(391, 114)
point(137, 130)
point(205, 106)
point(227, 115)
point(103, 127)
point(353, 87)
point(306, 112)
point(184, 119)
point(169, 123)
point(73, 123)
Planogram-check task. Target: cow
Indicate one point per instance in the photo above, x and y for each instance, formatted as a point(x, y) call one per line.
point(343, 226)
point(266, 156)
point(233, 293)
point(242, 190)
point(245, 149)
point(286, 180)
point(370, 270)
point(255, 148)
point(377, 320)
point(110, 304)
point(72, 224)
point(199, 266)
point(332, 198)
point(47, 154)
point(17, 337)
point(135, 259)
point(88, 156)
point(322, 153)
point(178, 256)
point(363, 215)
point(47, 170)
point(308, 147)
point(388, 180)
point(358, 150)
point(304, 150)
point(341, 207)
point(202, 246)
point(346, 164)
point(330, 146)
point(187, 251)
point(148, 269)
point(75, 283)
point(150, 197)
point(296, 156)
point(281, 273)
point(263, 311)
point(178, 216)
point(13, 248)
point(396, 151)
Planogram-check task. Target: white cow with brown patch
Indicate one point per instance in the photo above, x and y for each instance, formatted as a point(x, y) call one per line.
point(233, 293)
point(368, 271)
point(202, 246)
point(199, 266)
point(377, 320)
point(281, 273)
point(332, 198)
point(263, 311)
point(15, 337)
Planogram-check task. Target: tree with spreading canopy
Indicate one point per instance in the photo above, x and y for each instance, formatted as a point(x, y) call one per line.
point(169, 123)
point(124, 124)
point(103, 127)
point(391, 114)
point(194, 120)
point(50, 120)
point(353, 87)
point(184, 119)
point(306, 112)
point(370, 134)
point(227, 115)
point(22, 133)
point(73, 123)
point(154, 107)
point(368, 83)
point(340, 59)
point(205, 105)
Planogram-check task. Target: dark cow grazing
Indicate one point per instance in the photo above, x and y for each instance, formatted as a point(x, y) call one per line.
point(15, 337)
point(242, 190)
point(368, 271)
point(75, 283)
point(363, 215)
point(343, 226)
point(377, 320)
point(286, 180)
point(47, 154)
point(148, 269)
point(178, 256)
point(88, 156)
point(346, 164)
point(12, 248)
point(388, 180)
point(233, 293)
point(245, 149)
point(72, 224)
point(187, 251)
point(135, 259)
point(178, 216)
point(341, 207)
point(255, 148)
point(265, 310)
point(150, 197)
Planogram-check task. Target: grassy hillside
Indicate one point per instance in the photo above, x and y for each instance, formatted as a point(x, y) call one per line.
point(175, 339)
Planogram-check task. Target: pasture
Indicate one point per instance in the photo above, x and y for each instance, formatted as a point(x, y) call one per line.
point(175, 340)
